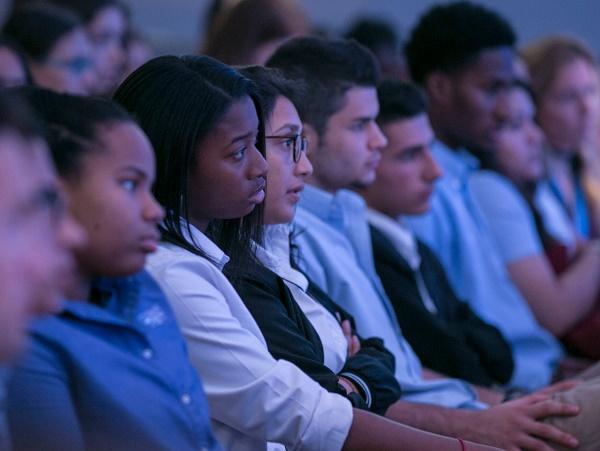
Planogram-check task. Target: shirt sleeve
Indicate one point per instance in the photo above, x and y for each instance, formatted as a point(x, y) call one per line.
point(41, 412)
point(508, 217)
point(247, 389)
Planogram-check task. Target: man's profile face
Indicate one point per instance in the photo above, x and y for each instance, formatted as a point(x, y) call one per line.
point(348, 151)
point(407, 171)
point(35, 237)
point(474, 94)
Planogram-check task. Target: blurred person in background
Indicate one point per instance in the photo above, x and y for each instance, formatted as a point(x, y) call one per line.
point(564, 79)
point(107, 23)
point(138, 50)
point(561, 290)
point(380, 37)
point(250, 31)
point(54, 41)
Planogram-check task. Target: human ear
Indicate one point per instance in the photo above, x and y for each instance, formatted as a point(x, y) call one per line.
point(312, 136)
point(439, 88)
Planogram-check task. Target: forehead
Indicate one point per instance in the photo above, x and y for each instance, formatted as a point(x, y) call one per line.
point(490, 65)
point(25, 167)
point(74, 42)
point(284, 113)
point(109, 19)
point(239, 119)
point(410, 132)
point(123, 144)
point(358, 102)
point(576, 71)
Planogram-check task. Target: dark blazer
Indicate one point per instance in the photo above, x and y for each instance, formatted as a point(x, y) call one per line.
point(455, 341)
point(290, 336)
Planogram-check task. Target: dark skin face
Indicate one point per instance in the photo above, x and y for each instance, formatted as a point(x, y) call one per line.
point(462, 103)
point(228, 178)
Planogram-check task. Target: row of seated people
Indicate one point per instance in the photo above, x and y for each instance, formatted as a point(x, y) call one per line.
point(301, 302)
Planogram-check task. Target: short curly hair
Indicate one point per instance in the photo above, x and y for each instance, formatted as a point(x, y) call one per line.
point(450, 36)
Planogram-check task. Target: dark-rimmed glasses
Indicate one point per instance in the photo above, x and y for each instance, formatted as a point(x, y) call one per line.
point(299, 144)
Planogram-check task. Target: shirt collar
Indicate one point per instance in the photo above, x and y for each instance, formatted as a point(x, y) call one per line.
point(212, 251)
point(275, 255)
point(458, 163)
point(329, 206)
point(403, 239)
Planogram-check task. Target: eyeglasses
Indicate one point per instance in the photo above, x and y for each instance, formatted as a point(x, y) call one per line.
point(299, 144)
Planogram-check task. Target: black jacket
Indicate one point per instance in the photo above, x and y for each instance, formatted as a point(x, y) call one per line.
point(455, 341)
point(290, 336)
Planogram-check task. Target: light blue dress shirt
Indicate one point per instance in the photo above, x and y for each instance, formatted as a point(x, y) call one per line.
point(112, 377)
point(457, 231)
point(509, 218)
point(334, 250)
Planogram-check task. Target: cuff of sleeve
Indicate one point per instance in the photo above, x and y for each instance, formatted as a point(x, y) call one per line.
point(362, 386)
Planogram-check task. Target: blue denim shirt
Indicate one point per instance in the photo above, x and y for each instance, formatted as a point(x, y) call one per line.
point(456, 229)
point(335, 251)
point(110, 377)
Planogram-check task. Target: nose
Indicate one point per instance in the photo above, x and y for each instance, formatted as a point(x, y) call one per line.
point(304, 167)
point(377, 139)
point(153, 211)
point(432, 169)
point(257, 166)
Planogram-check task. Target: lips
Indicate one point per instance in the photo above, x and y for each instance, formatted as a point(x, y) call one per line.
point(373, 162)
point(258, 195)
point(149, 243)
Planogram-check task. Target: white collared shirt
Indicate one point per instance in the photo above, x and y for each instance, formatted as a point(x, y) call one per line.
point(253, 398)
point(275, 255)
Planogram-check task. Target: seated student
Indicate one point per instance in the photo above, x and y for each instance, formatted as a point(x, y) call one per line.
point(110, 371)
point(445, 333)
point(338, 113)
point(299, 323)
point(463, 71)
point(203, 118)
point(35, 237)
point(564, 80)
point(56, 46)
point(505, 194)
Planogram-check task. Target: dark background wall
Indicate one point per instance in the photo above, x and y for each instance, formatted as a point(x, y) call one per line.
point(175, 25)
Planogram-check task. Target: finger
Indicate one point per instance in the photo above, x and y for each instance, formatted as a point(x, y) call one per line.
point(552, 407)
point(560, 387)
point(346, 328)
point(355, 344)
point(552, 434)
point(533, 444)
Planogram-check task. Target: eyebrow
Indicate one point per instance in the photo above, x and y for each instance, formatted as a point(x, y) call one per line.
point(137, 170)
point(241, 138)
point(292, 128)
point(417, 146)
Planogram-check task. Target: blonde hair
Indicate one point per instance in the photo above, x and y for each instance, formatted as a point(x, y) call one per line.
point(546, 56)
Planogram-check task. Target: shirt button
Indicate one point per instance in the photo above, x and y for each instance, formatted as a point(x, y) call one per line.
point(186, 399)
point(147, 353)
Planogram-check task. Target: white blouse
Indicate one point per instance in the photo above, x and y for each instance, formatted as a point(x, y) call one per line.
point(253, 398)
point(275, 255)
